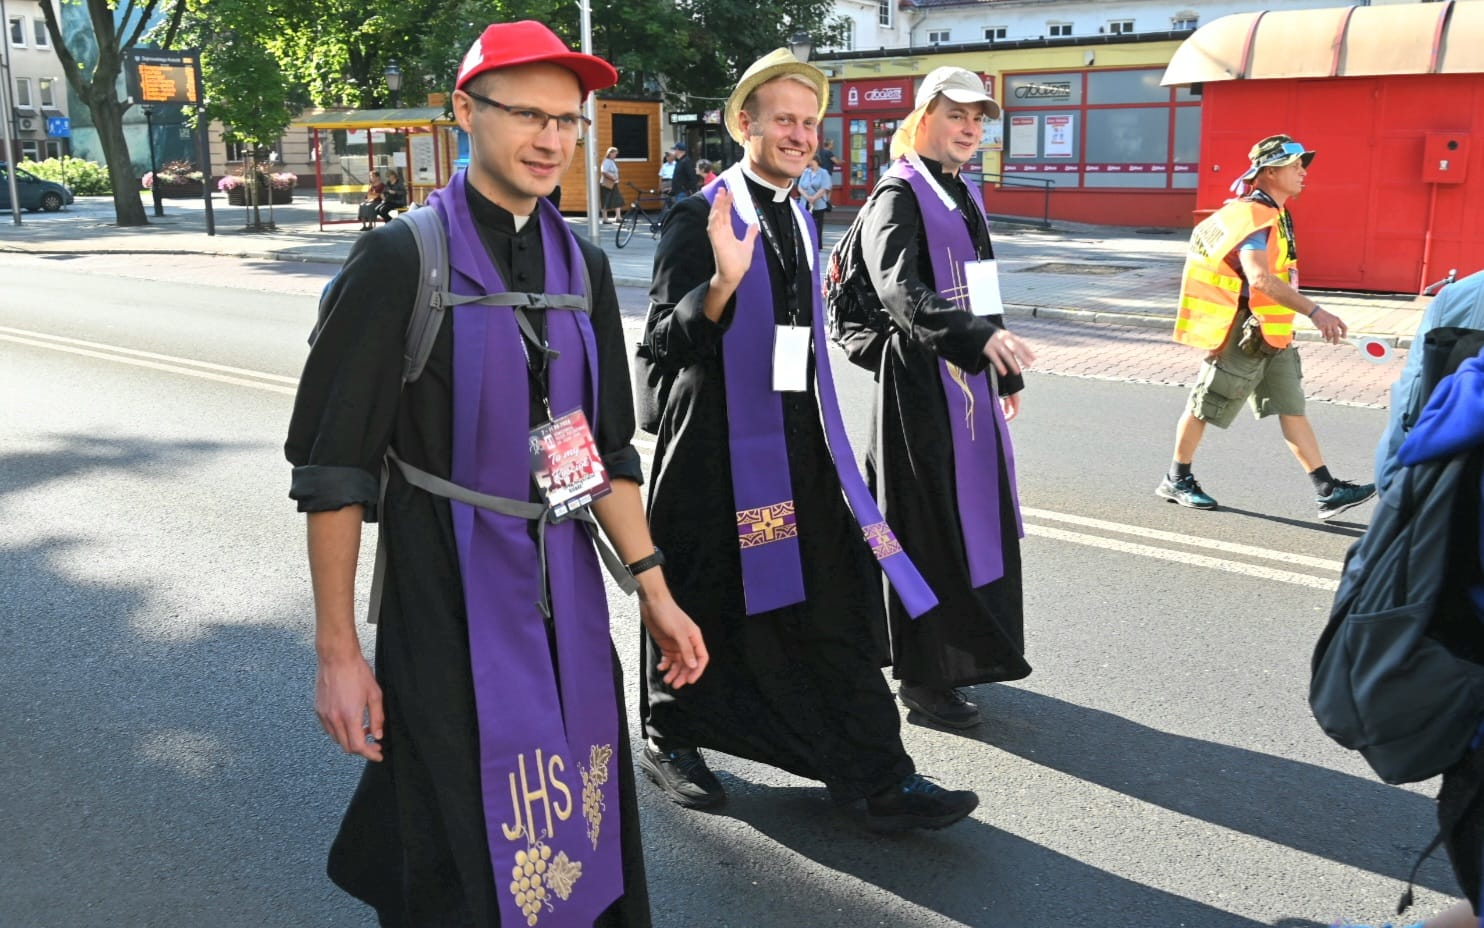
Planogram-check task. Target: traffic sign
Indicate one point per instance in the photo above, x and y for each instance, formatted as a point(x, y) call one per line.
point(58, 127)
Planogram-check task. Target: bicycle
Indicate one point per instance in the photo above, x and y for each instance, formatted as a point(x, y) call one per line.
point(630, 221)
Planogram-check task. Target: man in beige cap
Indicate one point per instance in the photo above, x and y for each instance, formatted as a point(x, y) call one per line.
point(949, 378)
point(749, 500)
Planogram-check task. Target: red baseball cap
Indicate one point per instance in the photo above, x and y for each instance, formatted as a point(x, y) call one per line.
point(505, 45)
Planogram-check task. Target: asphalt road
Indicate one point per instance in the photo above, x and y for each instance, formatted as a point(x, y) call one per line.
point(160, 763)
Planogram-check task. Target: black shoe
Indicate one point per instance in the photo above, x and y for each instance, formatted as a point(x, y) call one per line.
point(684, 777)
point(946, 707)
point(918, 802)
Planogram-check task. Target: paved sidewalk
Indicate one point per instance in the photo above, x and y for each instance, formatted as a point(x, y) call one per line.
point(1077, 273)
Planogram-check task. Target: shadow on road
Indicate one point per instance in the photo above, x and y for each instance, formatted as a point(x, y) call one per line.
point(155, 771)
point(971, 873)
point(1354, 821)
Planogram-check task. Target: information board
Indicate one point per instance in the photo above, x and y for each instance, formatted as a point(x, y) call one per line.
point(163, 77)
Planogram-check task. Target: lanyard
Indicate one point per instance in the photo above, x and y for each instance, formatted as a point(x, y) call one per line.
point(535, 347)
point(771, 236)
point(1285, 222)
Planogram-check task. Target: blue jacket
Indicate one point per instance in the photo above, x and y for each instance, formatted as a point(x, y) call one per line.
point(1461, 304)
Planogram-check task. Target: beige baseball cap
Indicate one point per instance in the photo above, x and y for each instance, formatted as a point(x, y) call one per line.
point(957, 84)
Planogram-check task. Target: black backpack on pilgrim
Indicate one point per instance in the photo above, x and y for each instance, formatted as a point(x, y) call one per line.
point(855, 318)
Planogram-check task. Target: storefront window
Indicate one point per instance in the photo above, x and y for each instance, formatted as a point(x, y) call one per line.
point(1105, 87)
point(1100, 129)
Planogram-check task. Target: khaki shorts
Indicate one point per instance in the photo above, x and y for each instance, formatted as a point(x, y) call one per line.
point(1271, 386)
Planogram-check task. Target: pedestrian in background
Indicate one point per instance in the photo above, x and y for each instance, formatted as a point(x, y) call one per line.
point(608, 181)
point(749, 501)
point(667, 175)
point(393, 196)
point(826, 156)
point(1238, 295)
point(684, 182)
point(366, 213)
point(942, 464)
point(814, 187)
point(466, 713)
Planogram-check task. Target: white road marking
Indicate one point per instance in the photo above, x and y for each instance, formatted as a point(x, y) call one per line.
point(1184, 557)
point(273, 383)
point(1283, 557)
point(276, 383)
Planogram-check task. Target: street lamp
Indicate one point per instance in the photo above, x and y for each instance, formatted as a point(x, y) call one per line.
point(801, 45)
point(154, 170)
point(394, 82)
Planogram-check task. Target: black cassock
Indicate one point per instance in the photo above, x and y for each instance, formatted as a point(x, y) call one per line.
point(972, 635)
point(799, 687)
point(413, 841)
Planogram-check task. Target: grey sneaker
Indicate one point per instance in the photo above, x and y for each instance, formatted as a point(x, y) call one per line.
point(1345, 495)
point(1186, 492)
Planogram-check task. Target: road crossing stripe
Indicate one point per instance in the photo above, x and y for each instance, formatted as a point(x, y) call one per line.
point(1283, 557)
point(110, 351)
point(1185, 557)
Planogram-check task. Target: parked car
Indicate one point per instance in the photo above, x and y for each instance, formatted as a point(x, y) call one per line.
point(33, 192)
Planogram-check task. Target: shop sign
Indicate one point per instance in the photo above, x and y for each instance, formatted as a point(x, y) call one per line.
point(678, 118)
point(1044, 90)
point(881, 94)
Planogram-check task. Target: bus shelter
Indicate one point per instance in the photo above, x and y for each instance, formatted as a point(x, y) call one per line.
point(347, 146)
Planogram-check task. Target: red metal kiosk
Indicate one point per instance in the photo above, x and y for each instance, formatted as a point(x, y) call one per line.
point(1389, 97)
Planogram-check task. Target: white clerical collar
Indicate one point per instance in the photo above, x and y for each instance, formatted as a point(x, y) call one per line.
point(779, 193)
point(520, 221)
point(916, 161)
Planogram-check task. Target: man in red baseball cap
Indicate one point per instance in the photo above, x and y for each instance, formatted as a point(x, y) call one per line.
point(498, 788)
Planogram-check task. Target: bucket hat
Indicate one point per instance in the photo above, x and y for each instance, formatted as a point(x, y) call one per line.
point(1275, 151)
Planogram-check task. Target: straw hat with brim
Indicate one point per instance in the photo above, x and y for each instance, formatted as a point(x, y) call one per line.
point(775, 64)
point(506, 45)
point(1276, 151)
point(958, 85)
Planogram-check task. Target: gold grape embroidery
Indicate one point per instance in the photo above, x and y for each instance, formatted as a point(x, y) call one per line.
point(593, 778)
point(563, 874)
point(531, 875)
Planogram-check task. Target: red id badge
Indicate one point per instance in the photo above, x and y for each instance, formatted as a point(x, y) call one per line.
point(568, 468)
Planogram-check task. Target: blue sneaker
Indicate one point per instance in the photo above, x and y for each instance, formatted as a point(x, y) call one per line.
point(1185, 491)
point(1345, 495)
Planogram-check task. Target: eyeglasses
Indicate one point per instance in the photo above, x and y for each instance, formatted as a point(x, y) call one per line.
point(533, 120)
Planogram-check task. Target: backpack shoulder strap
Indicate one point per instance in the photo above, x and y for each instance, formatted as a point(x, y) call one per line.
point(433, 296)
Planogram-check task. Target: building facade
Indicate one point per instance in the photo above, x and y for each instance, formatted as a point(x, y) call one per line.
point(35, 89)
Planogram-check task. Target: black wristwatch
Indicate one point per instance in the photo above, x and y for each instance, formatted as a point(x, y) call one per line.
point(656, 559)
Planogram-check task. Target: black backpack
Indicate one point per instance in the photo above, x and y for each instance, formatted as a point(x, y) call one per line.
point(856, 320)
point(1397, 673)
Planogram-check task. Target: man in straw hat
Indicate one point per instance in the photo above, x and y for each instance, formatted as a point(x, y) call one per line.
point(949, 379)
point(498, 788)
point(1238, 295)
point(774, 542)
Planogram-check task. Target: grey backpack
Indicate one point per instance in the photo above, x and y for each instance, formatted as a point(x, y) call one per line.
point(1397, 673)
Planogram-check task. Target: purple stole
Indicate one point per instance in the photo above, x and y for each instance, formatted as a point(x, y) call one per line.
point(547, 748)
point(980, 434)
point(767, 528)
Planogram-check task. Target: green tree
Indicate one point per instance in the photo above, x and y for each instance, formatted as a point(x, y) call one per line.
point(115, 31)
point(245, 87)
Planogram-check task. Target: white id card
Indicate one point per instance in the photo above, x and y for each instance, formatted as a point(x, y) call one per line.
point(790, 358)
point(983, 279)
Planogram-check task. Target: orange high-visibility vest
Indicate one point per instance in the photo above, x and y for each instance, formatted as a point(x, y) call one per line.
point(1210, 289)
